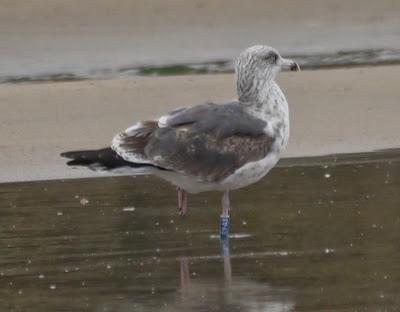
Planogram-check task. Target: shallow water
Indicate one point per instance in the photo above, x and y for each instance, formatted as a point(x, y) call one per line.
point(315, 235)
point(306, 61)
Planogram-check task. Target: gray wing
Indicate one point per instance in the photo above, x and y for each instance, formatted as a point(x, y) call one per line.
point(227, 119)
point(208, 141)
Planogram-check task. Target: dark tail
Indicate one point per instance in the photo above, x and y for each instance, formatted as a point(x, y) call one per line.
point(102, 159)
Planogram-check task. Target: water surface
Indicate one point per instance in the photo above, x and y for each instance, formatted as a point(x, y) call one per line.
point(341, 59)
point(318, 234)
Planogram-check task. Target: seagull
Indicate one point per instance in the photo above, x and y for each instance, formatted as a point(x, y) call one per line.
point(209, 147)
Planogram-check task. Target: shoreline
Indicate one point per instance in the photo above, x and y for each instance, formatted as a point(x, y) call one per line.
point(379, 156)
point(338, 60)
point(332, 111)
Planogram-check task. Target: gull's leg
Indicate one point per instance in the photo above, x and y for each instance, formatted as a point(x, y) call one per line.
point(224, 219)
point(225, 204)
point(182, 201)
point(179, 198)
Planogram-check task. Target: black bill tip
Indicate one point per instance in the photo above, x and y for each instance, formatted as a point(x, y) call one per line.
point(295, 67)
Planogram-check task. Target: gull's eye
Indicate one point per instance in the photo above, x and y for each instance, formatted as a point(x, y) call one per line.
point(271, 57)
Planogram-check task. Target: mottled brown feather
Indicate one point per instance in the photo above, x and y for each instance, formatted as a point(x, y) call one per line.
point(208, 142)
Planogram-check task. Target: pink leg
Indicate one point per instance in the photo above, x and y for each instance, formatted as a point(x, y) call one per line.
point(184, 204)
point(182, 201)
point(225, 204)
point(179, 197)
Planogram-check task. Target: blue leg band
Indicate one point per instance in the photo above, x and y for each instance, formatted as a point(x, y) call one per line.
point(224, 226)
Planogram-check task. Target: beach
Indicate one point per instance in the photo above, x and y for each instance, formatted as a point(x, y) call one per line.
point(331, 111)
point(340, 110)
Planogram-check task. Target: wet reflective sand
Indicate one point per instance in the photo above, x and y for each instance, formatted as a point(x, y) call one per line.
point(315, 235)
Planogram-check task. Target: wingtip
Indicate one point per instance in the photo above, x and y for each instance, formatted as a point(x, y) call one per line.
point(66, 155)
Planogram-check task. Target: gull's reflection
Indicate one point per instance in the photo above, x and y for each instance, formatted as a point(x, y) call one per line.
point(225, 252)
point(199, 292)
point(202, 288)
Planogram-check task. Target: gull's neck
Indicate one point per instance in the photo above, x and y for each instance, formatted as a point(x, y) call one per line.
point(268, 103)
point(263, 97)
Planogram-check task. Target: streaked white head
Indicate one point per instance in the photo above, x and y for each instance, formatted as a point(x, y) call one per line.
point(256, 67)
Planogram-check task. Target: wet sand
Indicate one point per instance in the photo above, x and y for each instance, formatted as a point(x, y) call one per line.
point(332, 111)
point(53, 36)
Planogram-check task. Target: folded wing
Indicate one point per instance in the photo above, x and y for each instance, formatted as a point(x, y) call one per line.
point(208, 141)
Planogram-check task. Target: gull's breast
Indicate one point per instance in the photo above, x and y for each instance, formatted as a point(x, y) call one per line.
point(251, 172)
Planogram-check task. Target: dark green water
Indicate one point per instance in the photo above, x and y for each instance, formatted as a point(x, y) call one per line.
point(315, 235)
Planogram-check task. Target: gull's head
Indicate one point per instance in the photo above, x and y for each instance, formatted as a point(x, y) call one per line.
point(258, 65)
point(264, 60)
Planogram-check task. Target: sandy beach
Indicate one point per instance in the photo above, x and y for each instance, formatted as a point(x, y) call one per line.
point(332, 111)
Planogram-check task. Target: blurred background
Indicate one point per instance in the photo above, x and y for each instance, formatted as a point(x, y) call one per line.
point(101, 38)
